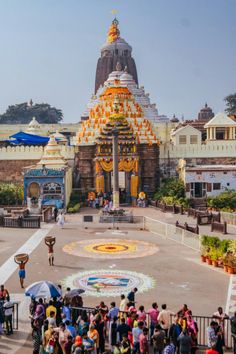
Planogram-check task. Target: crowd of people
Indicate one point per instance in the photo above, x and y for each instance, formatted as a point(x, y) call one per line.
point(64, 326)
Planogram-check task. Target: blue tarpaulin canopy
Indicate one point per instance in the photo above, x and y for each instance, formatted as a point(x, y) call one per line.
point(22, 138)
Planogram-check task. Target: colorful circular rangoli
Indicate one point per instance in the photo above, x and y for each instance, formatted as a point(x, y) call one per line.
point(115, 248)
point(109, 282)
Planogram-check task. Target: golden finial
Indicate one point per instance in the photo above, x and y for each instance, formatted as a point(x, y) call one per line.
point(113, 32)
point(114, 12)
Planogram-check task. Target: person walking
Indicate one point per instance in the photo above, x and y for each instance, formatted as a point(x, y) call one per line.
point(55, 212)
point(8, 312)
point(22, 273)
point(131, 297)
point(61, 219)
point(50, 251)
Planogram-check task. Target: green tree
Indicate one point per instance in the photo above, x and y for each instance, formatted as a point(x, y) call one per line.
point(23, 113)
point(231, 104)
point(11, 194)
point(171, 187)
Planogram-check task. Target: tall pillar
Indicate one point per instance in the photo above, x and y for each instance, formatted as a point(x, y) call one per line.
point(116, 201)
point(233, 133)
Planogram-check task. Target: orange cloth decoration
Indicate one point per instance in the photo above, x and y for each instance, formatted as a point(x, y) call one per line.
point(134, 186)
point(100, 184)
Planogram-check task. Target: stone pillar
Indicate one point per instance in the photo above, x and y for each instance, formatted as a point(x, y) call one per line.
point(116, 202)
point(210, 133)
point(233, 133)
point(214, 134)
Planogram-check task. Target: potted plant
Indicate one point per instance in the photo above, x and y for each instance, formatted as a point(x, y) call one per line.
point(204, 247)
point(215, 255)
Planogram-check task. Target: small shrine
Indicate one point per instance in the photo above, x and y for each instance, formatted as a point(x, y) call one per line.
point(50, 181)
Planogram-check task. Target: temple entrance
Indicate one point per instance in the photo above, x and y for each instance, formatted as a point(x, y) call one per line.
point(124, 185)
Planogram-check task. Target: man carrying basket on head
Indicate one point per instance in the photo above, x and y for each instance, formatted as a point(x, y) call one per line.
point(50, 242)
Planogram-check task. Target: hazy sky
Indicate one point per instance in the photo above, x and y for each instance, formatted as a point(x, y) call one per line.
point(184, 50)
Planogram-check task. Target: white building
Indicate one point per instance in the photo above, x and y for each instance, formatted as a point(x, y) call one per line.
point(207, 180)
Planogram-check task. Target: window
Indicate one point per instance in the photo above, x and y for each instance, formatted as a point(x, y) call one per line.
point(216, 186)
point(225, 173)
point(182, 139)
point(228, 184)
point(193, 139)
point(52, 188)
point(198, 173)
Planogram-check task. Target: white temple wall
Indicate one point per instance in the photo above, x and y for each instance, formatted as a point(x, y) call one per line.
point(32, 152)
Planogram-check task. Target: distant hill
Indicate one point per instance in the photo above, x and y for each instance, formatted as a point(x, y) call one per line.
point(24, 112)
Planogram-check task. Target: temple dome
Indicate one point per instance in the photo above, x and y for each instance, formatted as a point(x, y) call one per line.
point(34, 127)
point(60, 138)
point(52, 157)
point(120, 44)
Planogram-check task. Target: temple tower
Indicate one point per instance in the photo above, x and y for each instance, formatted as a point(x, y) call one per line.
point(115, 50)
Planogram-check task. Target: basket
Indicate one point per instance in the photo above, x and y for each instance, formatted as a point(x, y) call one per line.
point(50, 239)
point(21, 257)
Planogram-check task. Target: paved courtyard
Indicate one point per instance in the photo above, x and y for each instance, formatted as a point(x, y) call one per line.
point(107, 263)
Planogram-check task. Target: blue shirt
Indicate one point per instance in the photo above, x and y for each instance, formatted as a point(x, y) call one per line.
point(72, 330)
point(114, 311)
point(66, 312)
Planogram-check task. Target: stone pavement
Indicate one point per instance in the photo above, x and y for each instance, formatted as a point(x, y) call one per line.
point(178, 273)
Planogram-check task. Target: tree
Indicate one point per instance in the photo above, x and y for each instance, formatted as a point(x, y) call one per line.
point(171, 187)
point(231, 104)
point(23, 113)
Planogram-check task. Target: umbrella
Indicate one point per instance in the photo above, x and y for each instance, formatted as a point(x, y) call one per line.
point(44, 289)
point(74, 292)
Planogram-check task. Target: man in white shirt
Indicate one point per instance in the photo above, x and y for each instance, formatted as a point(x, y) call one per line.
point(220, 316)
point(164, 318)
point(8, 311)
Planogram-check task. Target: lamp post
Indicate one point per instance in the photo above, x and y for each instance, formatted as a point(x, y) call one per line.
point(116, 194)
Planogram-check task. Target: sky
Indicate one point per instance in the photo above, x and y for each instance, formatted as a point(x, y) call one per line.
point(184, 51)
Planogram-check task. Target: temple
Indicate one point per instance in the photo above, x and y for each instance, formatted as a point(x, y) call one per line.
point(117, 108)
point(115, 50)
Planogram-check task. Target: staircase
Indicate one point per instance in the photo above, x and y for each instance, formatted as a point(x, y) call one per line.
point(198, 203)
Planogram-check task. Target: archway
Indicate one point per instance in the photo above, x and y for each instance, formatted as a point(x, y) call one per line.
point(33, 190)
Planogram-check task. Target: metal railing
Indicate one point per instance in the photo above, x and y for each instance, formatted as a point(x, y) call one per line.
point(172, 232)
point(203, 322)
point(20, 222)
point(230, 218)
